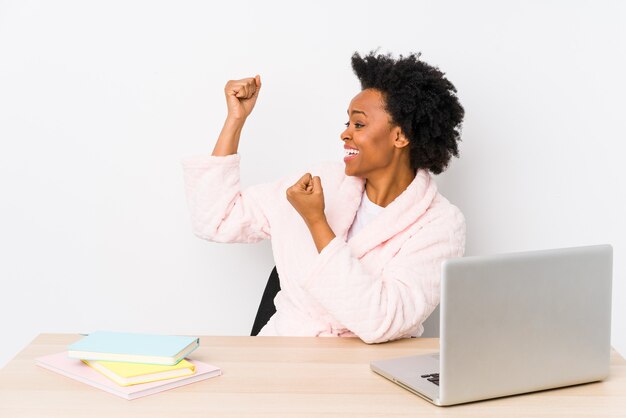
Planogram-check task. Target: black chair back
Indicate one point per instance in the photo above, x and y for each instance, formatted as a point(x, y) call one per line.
point(266, 307)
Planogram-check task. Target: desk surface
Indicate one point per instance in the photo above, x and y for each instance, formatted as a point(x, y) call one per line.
point(286, 376)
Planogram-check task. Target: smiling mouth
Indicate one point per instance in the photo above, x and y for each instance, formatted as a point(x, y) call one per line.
point(350, 153)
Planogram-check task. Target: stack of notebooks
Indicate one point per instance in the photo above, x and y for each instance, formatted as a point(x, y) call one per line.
point(131, 365)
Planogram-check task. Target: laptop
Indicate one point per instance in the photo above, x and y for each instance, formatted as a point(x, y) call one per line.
point(515, 323)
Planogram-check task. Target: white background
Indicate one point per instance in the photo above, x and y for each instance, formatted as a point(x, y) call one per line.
point(99, 101)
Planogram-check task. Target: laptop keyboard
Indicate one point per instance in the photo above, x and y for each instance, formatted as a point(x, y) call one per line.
point(433, 378)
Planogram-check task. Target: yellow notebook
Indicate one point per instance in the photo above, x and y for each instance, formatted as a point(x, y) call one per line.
point(127, 374)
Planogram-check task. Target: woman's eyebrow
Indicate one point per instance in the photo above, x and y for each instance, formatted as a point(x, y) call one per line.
point(357, 111)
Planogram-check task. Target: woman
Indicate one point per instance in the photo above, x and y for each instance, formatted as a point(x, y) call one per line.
point(362, 254)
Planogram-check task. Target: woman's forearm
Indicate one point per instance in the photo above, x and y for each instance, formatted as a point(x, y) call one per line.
point(228, 141)
point(322, 234)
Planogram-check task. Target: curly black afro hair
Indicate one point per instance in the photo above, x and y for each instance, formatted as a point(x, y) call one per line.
point(420, 100)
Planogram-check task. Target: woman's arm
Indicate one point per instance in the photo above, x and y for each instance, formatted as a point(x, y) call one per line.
point(241, 96)
point(306, 195)
point(220, 210)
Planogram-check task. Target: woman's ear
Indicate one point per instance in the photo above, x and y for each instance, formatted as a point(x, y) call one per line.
point(400, 140)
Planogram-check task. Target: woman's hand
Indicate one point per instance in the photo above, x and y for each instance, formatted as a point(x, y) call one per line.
point(307, 197)
point(241, 96)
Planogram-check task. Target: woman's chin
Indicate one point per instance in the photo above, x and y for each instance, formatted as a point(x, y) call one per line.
point(350, 171)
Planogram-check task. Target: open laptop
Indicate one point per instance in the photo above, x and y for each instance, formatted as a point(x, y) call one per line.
point(515, 323)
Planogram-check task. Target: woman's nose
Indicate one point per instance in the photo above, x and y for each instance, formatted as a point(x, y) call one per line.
point(345, 135)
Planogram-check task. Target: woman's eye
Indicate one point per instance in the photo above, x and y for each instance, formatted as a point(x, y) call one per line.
point(356, 125)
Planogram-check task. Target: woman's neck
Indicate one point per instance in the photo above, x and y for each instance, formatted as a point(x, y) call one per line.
point(383, 188)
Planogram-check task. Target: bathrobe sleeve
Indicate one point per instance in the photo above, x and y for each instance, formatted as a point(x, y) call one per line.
point(220, 211)
point(391, 305)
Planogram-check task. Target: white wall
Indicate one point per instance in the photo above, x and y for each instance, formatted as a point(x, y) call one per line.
point(100, 100)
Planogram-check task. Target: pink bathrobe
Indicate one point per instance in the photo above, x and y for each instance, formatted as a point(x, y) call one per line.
point(379, 286)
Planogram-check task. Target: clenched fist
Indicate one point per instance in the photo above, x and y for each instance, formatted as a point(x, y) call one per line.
point(307, 197)
point(241, 96)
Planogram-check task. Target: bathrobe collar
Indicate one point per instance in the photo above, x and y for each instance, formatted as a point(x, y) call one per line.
point(394, 218)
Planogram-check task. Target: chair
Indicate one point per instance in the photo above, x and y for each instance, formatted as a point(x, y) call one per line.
point(267, 309)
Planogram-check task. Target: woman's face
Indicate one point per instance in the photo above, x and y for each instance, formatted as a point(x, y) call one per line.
point(369, 138)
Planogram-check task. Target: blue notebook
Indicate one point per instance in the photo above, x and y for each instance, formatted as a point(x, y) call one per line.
point(133, 348)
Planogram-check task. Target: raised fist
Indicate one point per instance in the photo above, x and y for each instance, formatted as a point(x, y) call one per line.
point(241, 96)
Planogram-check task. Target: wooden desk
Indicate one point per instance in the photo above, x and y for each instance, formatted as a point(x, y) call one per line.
point(285, 376)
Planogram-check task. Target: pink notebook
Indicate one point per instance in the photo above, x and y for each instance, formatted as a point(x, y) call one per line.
point(76, 369)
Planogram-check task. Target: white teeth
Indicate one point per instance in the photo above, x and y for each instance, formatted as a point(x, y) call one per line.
point(350, 151)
